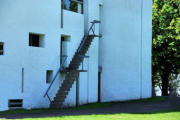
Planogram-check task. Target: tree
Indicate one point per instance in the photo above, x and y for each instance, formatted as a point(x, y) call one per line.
point(166, 41)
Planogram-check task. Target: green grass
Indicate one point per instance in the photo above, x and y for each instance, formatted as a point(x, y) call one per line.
point(87, 106)
point(158, 116)
point(161, 115)
point(168, 115)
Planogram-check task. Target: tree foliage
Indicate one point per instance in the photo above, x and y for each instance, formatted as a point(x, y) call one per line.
point(166, 41)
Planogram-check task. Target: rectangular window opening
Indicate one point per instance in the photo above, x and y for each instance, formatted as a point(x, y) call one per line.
point(73, 5)
point(15, 103)
point(65, 39)
point(1, 48)
point(36, 40)
point(49, 76)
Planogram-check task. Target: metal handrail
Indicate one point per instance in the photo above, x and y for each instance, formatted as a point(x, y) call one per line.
point(60, 68)
point(87, 34)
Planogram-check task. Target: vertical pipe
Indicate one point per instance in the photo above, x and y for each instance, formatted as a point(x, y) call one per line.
point(77, 90)
point(99, 86)
point(22, 87)
point(141, 49)
point(88, 78)
point(62, 7)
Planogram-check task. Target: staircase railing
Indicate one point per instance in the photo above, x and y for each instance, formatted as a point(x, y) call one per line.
point(87, 34)
point(60, 69)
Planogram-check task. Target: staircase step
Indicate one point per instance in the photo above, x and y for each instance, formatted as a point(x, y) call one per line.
point(59, 99)
point(55, 103)
point(62, 92)
point(65, 88)
point(56, 106)
point(69, 80)
point(61, 95)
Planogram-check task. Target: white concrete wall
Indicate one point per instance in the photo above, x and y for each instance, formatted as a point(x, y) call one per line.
point(88, 85)
point(18, 18)
point(126, 67)
point(91, 11)
point(73, 26)
point(126, 50)
point(146, 48)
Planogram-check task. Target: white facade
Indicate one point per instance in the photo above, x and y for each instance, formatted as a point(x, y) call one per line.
point(123, 52)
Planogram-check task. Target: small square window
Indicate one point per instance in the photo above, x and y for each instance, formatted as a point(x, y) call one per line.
point(36, 40)
point(1, 48)
point(49, 76)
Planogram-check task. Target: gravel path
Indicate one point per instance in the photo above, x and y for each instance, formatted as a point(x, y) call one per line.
point(123, 107)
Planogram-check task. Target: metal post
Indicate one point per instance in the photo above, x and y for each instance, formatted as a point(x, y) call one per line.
point(83, 64)
point(77, 90)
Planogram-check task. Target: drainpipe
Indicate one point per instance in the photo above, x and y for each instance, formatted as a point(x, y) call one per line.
point(62, 16)
point(141, 49)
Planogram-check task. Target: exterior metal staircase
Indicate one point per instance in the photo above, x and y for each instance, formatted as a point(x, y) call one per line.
point(72, 70)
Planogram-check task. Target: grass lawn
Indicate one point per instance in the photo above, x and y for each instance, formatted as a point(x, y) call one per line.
point(170, 115)
point(158, 116)
point(87, 106)
point(161, 115)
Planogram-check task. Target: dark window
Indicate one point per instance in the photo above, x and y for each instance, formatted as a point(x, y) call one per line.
point(73, 5)
point(49, 76)
point(36, 40)
point(1, 48)
point(15, 103)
